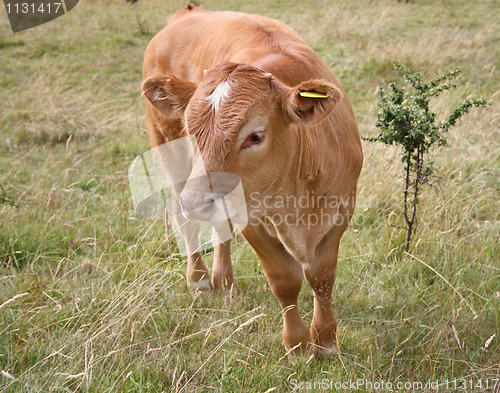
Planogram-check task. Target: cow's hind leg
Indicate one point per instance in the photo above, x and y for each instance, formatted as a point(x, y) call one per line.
point(284, 274)
point(321, 277)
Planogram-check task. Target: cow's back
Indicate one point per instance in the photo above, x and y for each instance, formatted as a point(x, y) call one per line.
point(196, 39)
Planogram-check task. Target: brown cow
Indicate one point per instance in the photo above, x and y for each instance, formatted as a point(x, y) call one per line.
point(262, 105)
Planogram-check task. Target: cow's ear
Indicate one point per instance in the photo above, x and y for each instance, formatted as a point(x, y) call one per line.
point(168, 94)
point(311, 100)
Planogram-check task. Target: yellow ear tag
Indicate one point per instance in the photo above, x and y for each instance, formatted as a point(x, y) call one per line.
point(312, 94)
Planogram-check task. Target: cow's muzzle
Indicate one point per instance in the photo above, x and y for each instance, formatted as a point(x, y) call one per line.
point(213, 198)
point(201, 206)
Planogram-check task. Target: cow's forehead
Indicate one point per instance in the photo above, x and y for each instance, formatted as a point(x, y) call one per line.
point(221, 106)
point(232, 86)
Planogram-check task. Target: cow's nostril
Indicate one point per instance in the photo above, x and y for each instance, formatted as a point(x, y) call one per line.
point(208, 209)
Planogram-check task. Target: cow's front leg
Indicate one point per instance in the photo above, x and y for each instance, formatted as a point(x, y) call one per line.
point(324, 324)
point(284, 274)
point(197, 273)
point(321, 277)
point(222, 272)
point(285, 281)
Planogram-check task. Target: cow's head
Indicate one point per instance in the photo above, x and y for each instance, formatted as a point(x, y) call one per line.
point(244, 121)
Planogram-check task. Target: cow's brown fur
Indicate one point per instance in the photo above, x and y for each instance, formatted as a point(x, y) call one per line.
point(311, 147)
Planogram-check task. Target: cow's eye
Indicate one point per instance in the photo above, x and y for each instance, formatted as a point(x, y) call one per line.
point(255, 138)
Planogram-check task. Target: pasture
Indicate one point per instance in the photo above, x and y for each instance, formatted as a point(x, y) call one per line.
point(94, 299)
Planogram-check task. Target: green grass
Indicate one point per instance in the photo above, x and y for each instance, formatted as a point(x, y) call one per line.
point(93, 299)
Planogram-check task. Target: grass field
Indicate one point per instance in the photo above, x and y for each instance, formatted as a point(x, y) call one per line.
point(93, 299)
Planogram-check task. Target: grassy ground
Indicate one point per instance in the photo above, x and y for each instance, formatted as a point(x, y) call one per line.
point(92, 299)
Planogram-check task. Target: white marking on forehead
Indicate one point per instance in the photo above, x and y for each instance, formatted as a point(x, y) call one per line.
point(220, 92)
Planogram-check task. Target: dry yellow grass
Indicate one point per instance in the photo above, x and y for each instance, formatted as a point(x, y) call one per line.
point(93, 298)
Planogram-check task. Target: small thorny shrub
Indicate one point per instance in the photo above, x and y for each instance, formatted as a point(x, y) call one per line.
point(405, 119)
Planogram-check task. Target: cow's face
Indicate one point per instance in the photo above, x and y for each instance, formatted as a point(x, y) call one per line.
point(244, 122)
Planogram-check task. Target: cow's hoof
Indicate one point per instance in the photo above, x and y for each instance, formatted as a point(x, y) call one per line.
point(231, 290)
point(224, 286)
point(299, 352)
point(201, 287)
point(327, 352)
